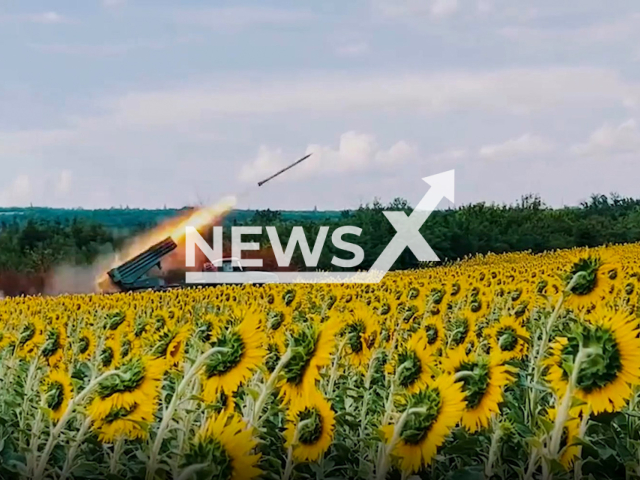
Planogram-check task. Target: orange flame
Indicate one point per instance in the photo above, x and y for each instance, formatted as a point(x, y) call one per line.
point(174, 228)
point(202, 217)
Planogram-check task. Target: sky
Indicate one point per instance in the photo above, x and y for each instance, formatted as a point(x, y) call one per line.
point(153, 103)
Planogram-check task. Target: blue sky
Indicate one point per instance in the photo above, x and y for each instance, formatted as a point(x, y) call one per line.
point(152, 103)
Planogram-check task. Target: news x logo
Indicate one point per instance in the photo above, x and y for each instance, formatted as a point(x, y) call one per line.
point(407, 236)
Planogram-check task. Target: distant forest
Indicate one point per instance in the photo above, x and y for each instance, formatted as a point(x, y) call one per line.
point(33, 240)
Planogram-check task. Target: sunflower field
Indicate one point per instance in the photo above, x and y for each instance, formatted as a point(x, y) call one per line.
point(502, 366)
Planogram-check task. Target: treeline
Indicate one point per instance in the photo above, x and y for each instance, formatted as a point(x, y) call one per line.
point(128, 220)
point(37, 244)
point(478, 228)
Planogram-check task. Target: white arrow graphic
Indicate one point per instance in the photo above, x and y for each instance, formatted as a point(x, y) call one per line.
point(442, 186)
point(408, 227)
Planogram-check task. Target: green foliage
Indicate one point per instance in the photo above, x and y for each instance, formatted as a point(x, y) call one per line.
point(35, 240)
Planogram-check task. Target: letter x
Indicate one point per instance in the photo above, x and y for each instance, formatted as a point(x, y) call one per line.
point(407, 235)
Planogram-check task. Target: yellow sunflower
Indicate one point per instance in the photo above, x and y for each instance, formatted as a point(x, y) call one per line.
point(412, 363)
point(313, 437)
point(434, 332)
point(224, 449)
point(125, 422)
point(138, 381)
point(170, 344)
point(363, 337)
point(482, 382)
point(587, 281)
point(460, 330)
point(436, 410)
point(110, 351)
point(57, 393)
point(508, 340)
point(311, 348)
point(611, 367)
point(226, 370)
point(6, 339)
point(85, 345)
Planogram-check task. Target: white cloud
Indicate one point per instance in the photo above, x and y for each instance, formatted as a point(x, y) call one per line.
point(398, 153)
point(611, 140)
point(113, 3)
point(355, 49)
point(619, 30)
point(43, 18)
point(30, 142)
point(413, 8)
point(17, 193)
point(451, 155)
point(63, 183)
point(513, 91)
point(355, 152)
point(526, 145)
point(484, 6)
point(444, 8)
point(107, 50)
point(25, 189)
point(239, 17)
point(266, 163)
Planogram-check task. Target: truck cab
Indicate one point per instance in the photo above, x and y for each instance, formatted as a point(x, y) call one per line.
point(230, 270)
point(228, 265)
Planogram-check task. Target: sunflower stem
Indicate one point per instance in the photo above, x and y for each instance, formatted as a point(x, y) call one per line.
point(539, 354)
point(389, 405)
point(462, 374)
point(268, 388)
point(188, 472)
point(27, 396)
point(365, 400)
point(533, 463)
point(71, 455)
point(296, 436)
point(168, 414)
point(334, 367)
point(365, 404)
point(565, 405)
point(493, 449)
point(383, 461)
point(577, 466)
point(118, 447)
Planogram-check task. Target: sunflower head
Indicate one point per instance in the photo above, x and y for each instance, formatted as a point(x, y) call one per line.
point(476, 381)
point(610, 360)
point(482, 380)
point(303, 346)
point(221, 362)
point(508, 339)
point(604, 362)
point(128, 422)
point(240, 352)
point(57, 392)
point(310, 428)
point(223, 448)
point(85, 344)
point(170, 345)
point(115, 319)
point(587, 280)
point(53, 346)
point(130, 376)
point(426, 406)
point(429, 415)
point(459, 330)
